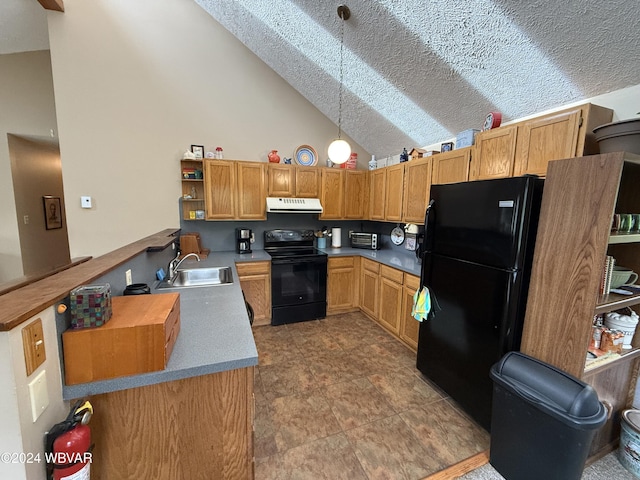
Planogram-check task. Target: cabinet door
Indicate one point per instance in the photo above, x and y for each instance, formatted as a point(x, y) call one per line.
point(390, 304)
point(332, 194)
point(255, 281)
point(377, 191)
point(220, 190)
point(369, 288)
point(281, 180)
point(307, 182)
point(342, 285)
point(394, 190)
point(495, 154)
point(417, 183)
point(355, 194)
point(251, 191)
point(409, 326)
point(451, 167)
point(551, 137)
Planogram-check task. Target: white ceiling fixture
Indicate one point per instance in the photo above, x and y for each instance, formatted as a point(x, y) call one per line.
point(339, 150)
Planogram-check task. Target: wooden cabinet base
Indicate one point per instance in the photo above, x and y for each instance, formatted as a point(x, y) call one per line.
point(196, 428)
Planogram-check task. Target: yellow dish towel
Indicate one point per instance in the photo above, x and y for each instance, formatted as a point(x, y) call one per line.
point(421, 304)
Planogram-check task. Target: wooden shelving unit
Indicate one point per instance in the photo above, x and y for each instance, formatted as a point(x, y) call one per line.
point(192, 175)
point(574, 237)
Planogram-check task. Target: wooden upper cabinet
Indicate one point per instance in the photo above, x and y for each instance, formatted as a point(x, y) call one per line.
point(355, 194)
point(220, 189)
point(494, 155)
point(552, 137)
point(377, 190)
point(332, 194)
point(451, 167)
point(235, 190)
point(564, 134)
point(394, 190)
point(307, 182)
point(281, 180)
point(251, 191)
point(417, 184)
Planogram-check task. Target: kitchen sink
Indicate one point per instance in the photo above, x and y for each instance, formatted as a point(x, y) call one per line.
point(199, 277)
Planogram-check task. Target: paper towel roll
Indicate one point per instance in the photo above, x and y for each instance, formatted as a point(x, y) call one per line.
point(336, 238)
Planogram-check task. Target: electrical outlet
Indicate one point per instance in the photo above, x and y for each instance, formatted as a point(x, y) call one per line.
point(26, 219)
point(127, 277)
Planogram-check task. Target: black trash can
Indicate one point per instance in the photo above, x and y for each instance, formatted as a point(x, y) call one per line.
point(543, 420)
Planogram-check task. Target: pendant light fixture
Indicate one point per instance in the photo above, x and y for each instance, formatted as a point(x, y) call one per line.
point(340, 150)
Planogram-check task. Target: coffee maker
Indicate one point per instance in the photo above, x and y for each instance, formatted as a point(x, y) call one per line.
point(243, 240)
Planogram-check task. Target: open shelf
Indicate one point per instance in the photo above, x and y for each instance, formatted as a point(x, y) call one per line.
point(614, 301)
point(617, 238)
point(603, 363)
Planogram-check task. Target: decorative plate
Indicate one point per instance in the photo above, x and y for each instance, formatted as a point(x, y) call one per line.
point(397, 236)
point(305, 156)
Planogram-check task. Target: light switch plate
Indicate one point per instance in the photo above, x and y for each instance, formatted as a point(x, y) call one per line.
point(39, 394)
point(85, 202)
point(33, 346)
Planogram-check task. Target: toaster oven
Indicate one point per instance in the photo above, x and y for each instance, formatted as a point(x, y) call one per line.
point(370, 241)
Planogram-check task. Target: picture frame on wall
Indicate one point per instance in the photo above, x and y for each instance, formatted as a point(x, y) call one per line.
point(52, 212)
point(198, 150)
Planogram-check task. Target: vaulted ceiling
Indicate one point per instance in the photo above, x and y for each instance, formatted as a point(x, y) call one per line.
point(417, 72)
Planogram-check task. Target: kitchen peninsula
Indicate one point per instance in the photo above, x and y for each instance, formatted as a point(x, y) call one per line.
point(193, 419)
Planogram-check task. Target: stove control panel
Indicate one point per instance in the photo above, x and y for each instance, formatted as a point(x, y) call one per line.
point(288, 236)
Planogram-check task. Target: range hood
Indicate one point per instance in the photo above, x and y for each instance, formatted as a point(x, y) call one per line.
point(293, 205)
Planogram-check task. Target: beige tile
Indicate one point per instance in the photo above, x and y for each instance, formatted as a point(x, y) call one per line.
point(356, 402)
point(277, 350)
point(332, 367)
point(404, 390)
point(287, 378)
point(450, 435)
point(316, 343)
point(389, 449)
point(298, 419)
point(330, 458)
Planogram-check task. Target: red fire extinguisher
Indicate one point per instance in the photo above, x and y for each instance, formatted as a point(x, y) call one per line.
point(68, 445)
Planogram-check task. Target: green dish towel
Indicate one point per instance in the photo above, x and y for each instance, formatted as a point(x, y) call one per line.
point(421, 304)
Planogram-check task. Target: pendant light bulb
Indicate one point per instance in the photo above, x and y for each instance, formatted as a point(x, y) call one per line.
point(339, 151)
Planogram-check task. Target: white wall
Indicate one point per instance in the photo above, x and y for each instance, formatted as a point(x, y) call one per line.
point(19, 433)
point(28, 109)
point(136, 83)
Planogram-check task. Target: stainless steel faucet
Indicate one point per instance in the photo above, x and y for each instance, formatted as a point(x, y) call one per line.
point(176, 262)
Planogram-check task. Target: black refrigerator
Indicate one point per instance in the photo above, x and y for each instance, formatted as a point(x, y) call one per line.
point(477, 254)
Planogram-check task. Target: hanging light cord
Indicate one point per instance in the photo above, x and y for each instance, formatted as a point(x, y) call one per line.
point(341, 77)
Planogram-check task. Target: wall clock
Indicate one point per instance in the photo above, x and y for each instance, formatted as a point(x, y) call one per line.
point(397, 236)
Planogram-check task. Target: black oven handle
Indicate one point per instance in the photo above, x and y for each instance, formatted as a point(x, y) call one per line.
point(287, 261)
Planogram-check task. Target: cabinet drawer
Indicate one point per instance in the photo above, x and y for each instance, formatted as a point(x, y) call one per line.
point(370, 265)
point(341, 262)
point(392, 274)
point(253, 268)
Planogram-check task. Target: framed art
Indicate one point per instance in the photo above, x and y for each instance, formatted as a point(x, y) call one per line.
point(52, 212)
point(198, 150)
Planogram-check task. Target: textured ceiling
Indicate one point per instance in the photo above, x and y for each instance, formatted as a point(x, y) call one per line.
point(418, 72)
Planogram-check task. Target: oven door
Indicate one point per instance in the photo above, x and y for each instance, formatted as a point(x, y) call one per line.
point(298, 289)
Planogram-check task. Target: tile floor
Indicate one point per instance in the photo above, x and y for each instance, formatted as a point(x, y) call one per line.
point(340, 398)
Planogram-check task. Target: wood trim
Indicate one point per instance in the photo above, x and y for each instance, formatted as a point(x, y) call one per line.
point(20, 282)
point(461, 468)
point(55, 5)
point(19, 305)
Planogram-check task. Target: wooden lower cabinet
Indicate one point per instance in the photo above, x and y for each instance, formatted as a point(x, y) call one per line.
point(369, 287)
point(409, 326)
point(342, 284)
point(390, 298)
point(255, 281)
point(198, 427)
